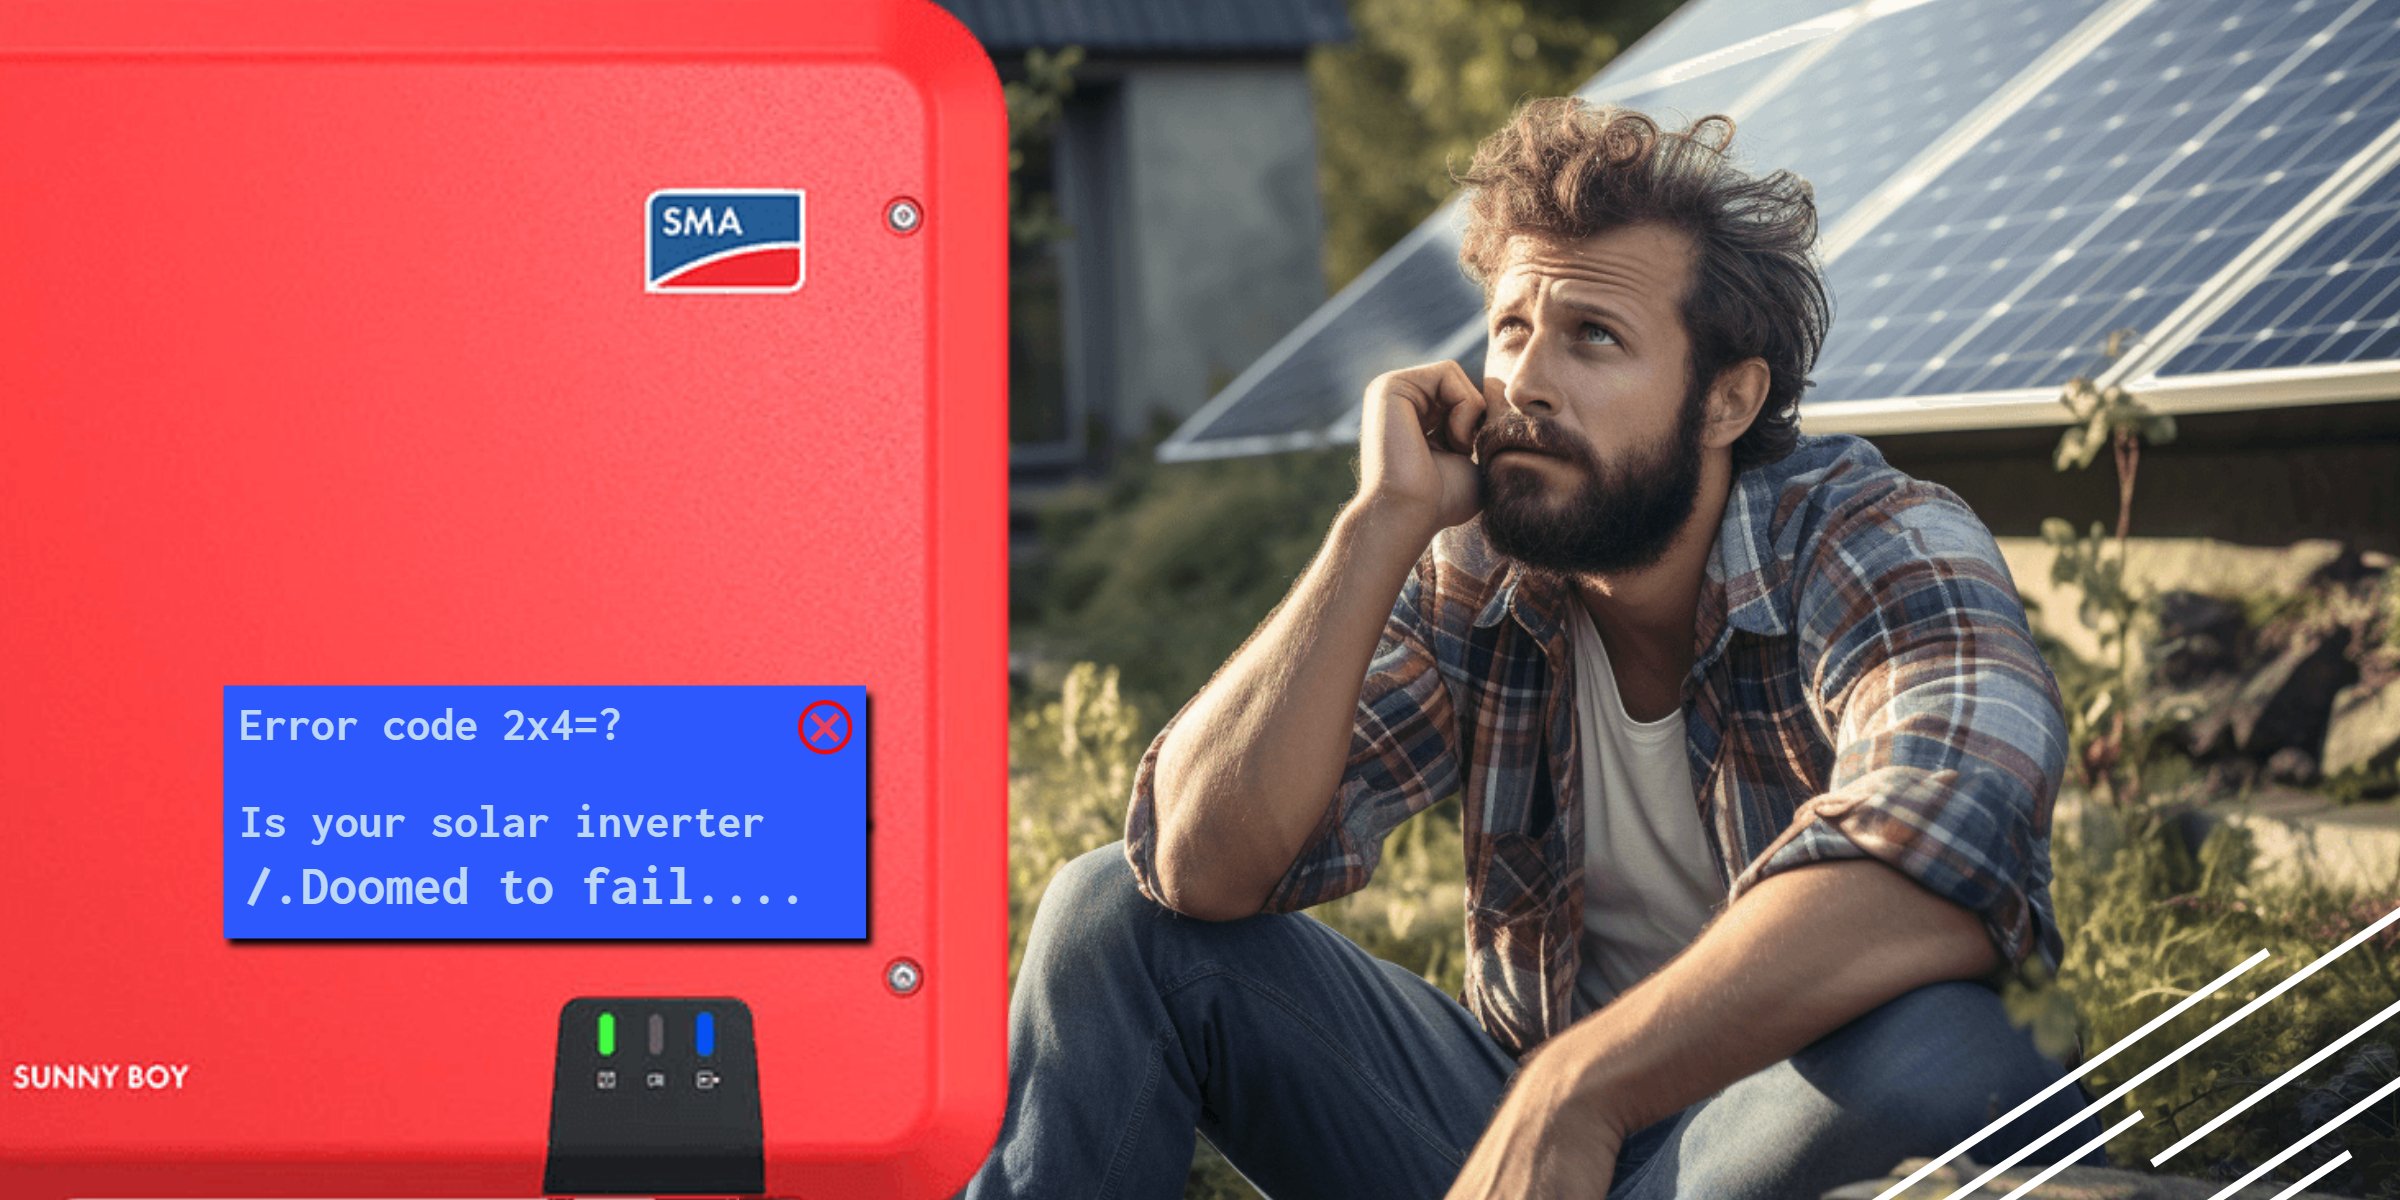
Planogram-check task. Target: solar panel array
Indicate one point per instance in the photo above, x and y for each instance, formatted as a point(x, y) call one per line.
point(2105, 202)
point(1406, 301)
point(2016, 179)
point(1883, 93)
point(2335, 300)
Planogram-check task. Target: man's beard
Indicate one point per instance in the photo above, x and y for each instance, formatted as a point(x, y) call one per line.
point(1614, 519)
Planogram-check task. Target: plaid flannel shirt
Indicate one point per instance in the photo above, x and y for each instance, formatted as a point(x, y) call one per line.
point(1865, 684)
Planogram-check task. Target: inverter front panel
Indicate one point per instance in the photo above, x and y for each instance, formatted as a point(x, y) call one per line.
point(401, 360)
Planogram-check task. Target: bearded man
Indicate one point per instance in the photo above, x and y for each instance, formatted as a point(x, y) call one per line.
point(1755, 753)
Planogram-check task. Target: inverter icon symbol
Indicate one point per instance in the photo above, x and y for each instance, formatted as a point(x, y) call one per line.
point(726, 240)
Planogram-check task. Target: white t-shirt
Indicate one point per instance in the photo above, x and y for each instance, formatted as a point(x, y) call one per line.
point(1649, 880)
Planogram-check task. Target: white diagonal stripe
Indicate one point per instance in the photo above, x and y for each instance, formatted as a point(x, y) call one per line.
point(2205, 1035)
point(2312, 1177)
point(2088, 1067)
point(2071, 1159)
point(2303, 1144)
point(2280, 1080)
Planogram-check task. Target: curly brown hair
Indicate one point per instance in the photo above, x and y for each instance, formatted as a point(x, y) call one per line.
point(1563, 169)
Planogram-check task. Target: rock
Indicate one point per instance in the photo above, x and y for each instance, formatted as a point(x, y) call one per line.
point(2202, 564)
point(2301, 836)
point(2203, 716)
point(2290, 701)
point(2074, 1183)
point(2198, 636)
point(2190, 564)
point(2363, 731)
point(2292, 765)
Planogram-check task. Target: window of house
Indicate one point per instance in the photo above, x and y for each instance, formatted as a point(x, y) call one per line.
point(1043, 426)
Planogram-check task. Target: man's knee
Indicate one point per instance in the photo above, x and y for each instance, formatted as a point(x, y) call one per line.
point(1090, 902)
point(1096, 884)
point(1934, 1066)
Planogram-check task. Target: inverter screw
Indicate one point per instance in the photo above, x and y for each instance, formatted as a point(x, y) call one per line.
point(903, 976)
point(903, 216)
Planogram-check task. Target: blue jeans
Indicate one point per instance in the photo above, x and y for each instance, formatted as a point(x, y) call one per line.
point(1320, 1070)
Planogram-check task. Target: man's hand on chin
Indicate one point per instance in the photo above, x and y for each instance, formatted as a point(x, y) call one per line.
point(1552, 1138)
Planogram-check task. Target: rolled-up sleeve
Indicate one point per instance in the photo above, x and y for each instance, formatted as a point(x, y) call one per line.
point(1402, 759)
point(1948, 731)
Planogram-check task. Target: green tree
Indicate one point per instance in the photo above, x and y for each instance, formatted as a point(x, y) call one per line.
point(1034, 104)
point(1422, 82)
point(1036, 330)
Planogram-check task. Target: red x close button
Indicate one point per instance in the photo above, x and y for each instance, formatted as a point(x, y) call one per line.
point(825, 726)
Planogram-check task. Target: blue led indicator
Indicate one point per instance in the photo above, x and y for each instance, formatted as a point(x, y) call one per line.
point(704, 1034)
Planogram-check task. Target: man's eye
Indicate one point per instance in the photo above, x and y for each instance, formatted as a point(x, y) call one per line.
point(1511, 325)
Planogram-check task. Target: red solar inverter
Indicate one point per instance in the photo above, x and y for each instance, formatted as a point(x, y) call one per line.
point(503, 666)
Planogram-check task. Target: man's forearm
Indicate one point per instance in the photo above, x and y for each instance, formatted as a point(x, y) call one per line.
point(1800, 955)
point(1248, 770)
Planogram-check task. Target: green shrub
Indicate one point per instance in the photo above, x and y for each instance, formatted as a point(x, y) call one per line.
point(1164, 569)
point(1070, 767)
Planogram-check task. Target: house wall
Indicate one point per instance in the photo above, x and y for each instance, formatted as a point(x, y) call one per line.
point(1220, 231)
point(2261, 478)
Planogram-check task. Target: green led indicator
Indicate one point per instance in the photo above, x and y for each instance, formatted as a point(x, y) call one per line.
point(608, 1034)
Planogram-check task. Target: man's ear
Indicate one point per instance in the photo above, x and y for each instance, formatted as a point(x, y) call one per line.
point(1734, 399)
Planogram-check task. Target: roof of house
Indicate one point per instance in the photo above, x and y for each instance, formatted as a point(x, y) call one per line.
point(1151, 27)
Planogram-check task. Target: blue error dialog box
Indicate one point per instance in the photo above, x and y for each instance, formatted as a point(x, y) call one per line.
point(546, 812)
